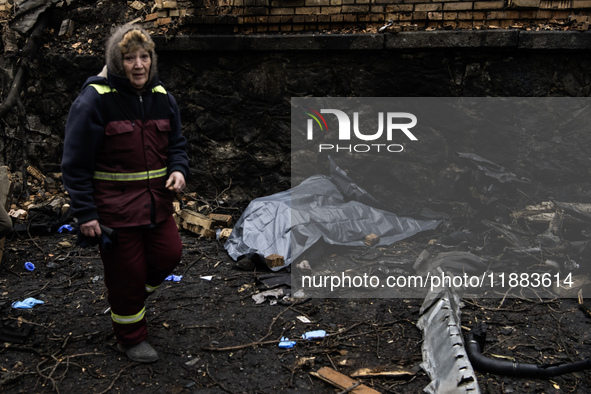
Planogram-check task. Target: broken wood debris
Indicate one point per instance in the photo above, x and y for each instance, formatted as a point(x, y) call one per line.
point(196, 219)
point(19, 214)
point(176, 205)
point(385, 372)
point(136, 5)
point(546, 211)
point(274, 260)
point(220, 220)
point(342, 381)
point(371, 239)
point(224, 234)
point(204, 225)
point(46, 194)
point(541, 213)
point(35, 173)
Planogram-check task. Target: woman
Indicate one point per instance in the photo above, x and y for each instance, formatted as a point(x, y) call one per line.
point(124, 158)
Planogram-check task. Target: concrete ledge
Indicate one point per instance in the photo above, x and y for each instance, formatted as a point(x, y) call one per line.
point(334, 42)
point(453, 39)
point(439, 39)
point(199, 43)
point(299, 42)
point(555, 40)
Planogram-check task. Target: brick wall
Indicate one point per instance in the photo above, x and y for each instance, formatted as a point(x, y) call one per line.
point(288, 16)
point(360, 16)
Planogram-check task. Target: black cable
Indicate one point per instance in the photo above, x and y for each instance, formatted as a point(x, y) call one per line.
point(480, 363)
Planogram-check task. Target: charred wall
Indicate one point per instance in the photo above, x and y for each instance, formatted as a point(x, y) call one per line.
point(234, 94)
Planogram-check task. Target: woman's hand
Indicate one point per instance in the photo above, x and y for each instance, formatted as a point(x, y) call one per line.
point(176, 182)
point(90, 229)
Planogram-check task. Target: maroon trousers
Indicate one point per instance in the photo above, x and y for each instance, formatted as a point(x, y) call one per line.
point(133, 270)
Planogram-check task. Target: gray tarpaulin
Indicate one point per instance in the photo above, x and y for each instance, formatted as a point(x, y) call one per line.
point(289, 222)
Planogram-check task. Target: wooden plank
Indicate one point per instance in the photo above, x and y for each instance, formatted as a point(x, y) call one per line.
point(388, 372)
point(341, 381)
point(192, 228)
point(220, 220)
point(209, 233)
point(195, 218)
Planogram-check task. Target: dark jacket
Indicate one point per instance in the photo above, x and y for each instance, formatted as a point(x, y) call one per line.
point(113, 133)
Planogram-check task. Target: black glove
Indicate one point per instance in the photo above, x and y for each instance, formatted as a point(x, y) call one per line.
point(108, 239)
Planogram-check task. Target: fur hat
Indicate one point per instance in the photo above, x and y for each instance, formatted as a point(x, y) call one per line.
point(128, 38)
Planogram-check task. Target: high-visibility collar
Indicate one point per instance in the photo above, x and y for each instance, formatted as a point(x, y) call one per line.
point(130, 176)
point(102, 89)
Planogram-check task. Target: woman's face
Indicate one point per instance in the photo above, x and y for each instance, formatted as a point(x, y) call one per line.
point(137, 67)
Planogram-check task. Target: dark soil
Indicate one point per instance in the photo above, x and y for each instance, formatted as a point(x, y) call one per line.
point(212, 337)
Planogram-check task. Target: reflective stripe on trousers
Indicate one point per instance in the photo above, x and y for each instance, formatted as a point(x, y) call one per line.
point(128, 319)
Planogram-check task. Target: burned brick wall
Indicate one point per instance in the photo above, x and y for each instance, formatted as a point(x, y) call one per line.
point(368, 16)
point(235, 105)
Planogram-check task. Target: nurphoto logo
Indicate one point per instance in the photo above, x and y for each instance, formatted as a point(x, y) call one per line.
point(395, 122)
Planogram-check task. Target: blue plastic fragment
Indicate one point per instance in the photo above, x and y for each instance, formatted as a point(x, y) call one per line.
point(314, 334)
point(65, 227)
point(174, 278)
point(29, 266)
point(27, 303)
point(286, 343)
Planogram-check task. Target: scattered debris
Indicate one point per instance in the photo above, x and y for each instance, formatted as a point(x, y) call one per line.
point(371, 239)
point(385, 372)
point(314, 334)
point(66, 28)
point(286, 343)
point(341, 381)
point(27, 303)
point(276, 279)
point(261, 297)
point(274, 261)
point(210, 225)
point(304, 319)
